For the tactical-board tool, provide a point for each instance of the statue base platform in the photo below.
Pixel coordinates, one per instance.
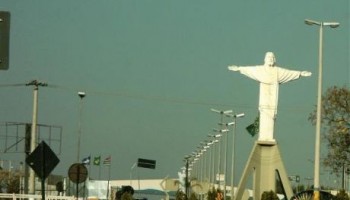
(265, 166)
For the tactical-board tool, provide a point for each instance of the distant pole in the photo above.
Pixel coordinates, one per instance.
(186, 178)
(233, 160)
(81, 95)
(132, 167)
(109, 177)
(225, 163)
(33, 141)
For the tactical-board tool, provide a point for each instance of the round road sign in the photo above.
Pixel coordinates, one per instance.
(77, 173)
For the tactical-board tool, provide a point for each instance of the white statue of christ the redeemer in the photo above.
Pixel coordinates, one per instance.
(269, 76)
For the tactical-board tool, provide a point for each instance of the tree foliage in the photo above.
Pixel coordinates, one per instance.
(215, 194)
(180, 195)
(9, 181)
(335, 117)
(269, 195)
(342, 195)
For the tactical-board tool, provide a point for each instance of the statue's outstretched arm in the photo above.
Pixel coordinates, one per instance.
(305, 73)
(233, 68)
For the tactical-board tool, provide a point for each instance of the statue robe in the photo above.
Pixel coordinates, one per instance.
(269, 77)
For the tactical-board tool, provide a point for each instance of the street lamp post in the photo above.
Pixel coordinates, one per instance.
(225, 158)
(226, 154)
(222, 113)
(210, 160)
(233, 151)
(213, 157)
(319, 102)
(81, 95)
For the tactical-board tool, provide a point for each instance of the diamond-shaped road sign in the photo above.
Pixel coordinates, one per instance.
(42, 160)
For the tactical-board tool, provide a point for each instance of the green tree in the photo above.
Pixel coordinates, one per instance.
(127, 196)
(180, 195)
(335, 117)
(215, 194)
(269, 195)
(298, 188)
(9, 181)
(342, 195)
(193, 196)
(212, 194)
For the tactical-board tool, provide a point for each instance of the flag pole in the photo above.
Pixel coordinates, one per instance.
(109, 177)
(108, 161)
(89, 173)
(99, 171)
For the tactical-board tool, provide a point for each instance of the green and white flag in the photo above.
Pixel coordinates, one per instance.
(253, 129)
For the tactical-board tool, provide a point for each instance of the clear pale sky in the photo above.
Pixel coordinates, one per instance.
(152, 70)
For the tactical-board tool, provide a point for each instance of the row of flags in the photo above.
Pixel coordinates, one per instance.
(252, 129)
(97, 160)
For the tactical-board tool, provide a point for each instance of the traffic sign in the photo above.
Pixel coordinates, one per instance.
(145, 163)
(42, 160)
(77, 173)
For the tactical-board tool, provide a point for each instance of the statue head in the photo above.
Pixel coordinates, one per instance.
(270, 59)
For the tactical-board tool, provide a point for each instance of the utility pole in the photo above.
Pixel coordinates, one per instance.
(33, 142)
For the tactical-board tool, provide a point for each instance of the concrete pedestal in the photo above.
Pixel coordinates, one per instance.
(264, 164)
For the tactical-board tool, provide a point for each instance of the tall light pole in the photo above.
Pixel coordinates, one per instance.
(213, 156)
(210, 161)
(206, 146)
(234, 151)
(226, 154)
(81, 96)
(33, 141)
(225, 158)
(222, 113)
(319, 102)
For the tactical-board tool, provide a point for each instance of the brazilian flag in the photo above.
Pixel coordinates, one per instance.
(97, 160)
(253, 128)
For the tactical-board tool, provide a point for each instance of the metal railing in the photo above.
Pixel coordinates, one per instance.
(34, 196)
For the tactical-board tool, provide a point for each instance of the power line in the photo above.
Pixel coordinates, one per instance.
(159, 98)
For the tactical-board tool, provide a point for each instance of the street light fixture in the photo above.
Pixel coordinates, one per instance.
(222, 112)
(319, 102)
(215, 136)
(240, 115)
(227, 124)
(330, 24)
(221, 130)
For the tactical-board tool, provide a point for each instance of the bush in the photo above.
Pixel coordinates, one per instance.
(271, 195)
(342, 195)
